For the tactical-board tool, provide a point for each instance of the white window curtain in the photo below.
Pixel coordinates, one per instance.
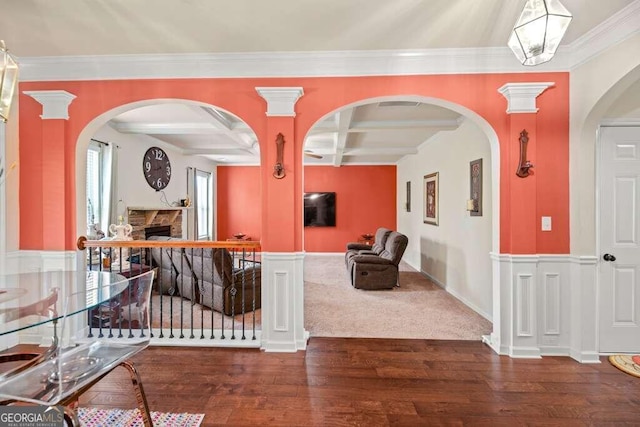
(203, 205)
(102, 185)
(110, 193)
(94, 157)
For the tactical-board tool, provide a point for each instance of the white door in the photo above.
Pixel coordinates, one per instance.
(619, 265)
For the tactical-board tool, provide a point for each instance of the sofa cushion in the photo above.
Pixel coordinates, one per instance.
(395, 247)
(380, 240)
(167, 274)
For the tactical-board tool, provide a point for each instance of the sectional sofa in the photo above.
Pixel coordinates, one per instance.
(209, 277)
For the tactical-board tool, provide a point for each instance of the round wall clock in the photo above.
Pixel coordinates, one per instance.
(156, 168)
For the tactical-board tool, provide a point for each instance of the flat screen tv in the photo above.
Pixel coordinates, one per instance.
(320, 209)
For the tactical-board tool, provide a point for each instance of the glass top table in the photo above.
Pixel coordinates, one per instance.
(32, 299)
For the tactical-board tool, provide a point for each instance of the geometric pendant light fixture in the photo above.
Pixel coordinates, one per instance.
(8, 80)
(539, 30)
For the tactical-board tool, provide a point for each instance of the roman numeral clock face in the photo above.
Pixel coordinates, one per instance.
(156, 168)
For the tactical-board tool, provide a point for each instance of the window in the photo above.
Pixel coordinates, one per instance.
(94, 185)
(204, 205)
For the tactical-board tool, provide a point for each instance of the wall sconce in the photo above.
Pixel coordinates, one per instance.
(278, 169)
(8, 80)
(524, 165)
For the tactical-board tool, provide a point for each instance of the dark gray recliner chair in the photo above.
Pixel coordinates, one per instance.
(370, 271)
(222, 287)
(360, 248)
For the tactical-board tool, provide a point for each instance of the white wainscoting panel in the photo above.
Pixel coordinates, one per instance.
(583, 306)
(545, 305)
(551, 304)
(283, 302)
(526, 305)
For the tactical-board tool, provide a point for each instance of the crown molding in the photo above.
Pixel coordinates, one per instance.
(281, 64)
(615, 29)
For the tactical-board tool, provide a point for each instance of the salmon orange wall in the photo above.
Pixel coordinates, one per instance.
(365, 200)
(45, 226)
(239, 207)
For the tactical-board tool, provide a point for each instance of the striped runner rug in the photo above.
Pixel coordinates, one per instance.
(93, 417)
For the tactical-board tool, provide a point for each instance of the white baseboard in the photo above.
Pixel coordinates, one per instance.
(585, 356)
(555, 351)
(525, 353)
(457, 296)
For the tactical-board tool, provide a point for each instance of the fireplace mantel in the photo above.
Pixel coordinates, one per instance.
(150, 213)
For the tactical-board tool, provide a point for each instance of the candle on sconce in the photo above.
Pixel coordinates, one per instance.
(471, 205)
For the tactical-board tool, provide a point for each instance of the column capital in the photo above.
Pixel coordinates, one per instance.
(55, 103)
(280, 100)
(521, 97)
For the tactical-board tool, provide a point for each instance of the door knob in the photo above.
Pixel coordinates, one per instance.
(609, 257)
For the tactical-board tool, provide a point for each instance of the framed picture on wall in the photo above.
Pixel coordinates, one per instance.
(408, 203)
(475, 185)
(430, 192)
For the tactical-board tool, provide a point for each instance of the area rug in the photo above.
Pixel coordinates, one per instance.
(629, 363)
(93, 417)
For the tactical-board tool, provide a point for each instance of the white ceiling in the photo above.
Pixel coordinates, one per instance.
(368, 134)
(111, 27)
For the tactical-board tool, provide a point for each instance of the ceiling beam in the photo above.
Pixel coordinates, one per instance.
(166, 128)
(381, 151)
(380, 125)
(343, 120)
(374, 125)
(244, 140)
(216, 152)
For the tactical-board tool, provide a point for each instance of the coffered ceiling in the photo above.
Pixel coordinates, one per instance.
(375, 133)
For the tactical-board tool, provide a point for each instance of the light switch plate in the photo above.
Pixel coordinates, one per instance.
(546, 223)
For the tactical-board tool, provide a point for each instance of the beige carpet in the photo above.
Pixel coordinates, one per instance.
(417, 309)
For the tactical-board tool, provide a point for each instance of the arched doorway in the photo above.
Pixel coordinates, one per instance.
(404, 116)
(199, 138)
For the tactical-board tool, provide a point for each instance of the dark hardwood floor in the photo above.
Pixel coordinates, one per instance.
(376, 382)
(373, 382)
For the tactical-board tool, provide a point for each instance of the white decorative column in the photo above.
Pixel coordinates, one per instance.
(282, 256)
(517, 307)
(55, 113)
(283, 302)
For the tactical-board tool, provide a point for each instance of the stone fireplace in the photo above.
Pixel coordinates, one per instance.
(155, 219)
